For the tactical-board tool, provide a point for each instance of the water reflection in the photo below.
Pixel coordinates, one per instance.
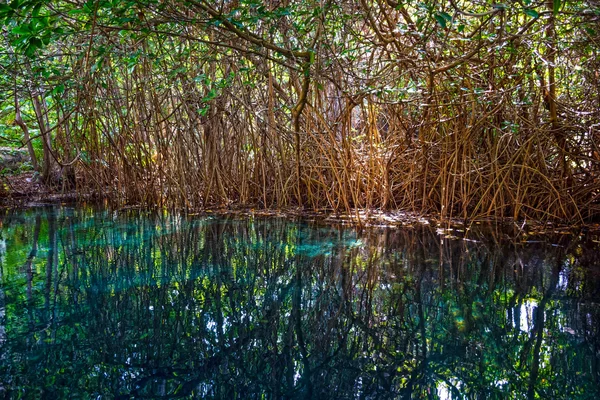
(129, 305)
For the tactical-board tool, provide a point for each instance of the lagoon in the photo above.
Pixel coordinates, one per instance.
(130, 304)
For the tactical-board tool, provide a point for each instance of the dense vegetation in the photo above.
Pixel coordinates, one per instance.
(461, 108)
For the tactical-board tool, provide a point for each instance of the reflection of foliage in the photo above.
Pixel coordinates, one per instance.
(134, 305)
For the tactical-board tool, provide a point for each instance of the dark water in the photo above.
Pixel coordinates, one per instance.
(130, 305)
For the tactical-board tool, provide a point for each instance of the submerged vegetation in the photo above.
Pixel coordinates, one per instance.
(460, 108)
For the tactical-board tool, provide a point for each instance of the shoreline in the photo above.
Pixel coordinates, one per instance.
(359, 219)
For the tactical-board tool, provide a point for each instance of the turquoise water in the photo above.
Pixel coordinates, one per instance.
(99, 304)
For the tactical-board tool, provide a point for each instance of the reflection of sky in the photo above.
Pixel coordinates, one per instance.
(527, 309)
(563, 279)
(444, 391)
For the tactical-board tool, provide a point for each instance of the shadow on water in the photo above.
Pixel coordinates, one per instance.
(131, 305)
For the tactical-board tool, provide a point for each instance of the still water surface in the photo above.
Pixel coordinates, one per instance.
(98, 304)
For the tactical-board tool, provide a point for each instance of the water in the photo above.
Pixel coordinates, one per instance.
(98, 304)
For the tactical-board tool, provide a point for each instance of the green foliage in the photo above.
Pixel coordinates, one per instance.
(443, 18)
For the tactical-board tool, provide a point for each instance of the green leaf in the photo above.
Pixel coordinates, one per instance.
(440, 20)
(36, 42)
(446, 16)
(555, 6)
(531, 13)
(204, 110)
(22, 30)
(59, 89)
(201, 79)
(4, 10)
(283, 11)
(36, 10)
(211, 95)
(30, 50)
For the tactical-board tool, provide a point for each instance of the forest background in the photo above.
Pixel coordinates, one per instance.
(465, 109)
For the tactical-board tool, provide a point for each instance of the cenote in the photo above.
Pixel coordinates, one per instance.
(106, 304)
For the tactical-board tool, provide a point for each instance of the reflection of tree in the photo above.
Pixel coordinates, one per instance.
(139, 306)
